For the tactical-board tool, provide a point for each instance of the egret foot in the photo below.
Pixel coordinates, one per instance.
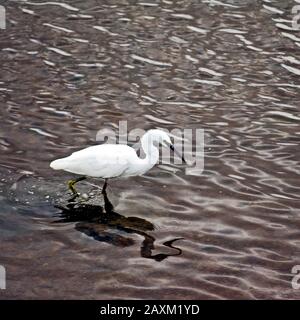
(71, 184)
(79, 198)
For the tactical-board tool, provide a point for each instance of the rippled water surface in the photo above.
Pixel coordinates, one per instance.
(230, 67)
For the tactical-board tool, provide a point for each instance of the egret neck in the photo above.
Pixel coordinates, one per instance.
(151, 151)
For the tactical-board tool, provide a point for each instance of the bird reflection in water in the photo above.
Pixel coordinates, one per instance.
(103, 224)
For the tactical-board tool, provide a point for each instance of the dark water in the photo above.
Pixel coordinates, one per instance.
(232, 68)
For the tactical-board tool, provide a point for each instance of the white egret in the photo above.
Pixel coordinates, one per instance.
(113, 160)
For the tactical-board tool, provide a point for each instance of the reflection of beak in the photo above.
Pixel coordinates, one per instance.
(178, 154)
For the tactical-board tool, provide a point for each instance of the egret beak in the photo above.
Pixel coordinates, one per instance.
(176, 152)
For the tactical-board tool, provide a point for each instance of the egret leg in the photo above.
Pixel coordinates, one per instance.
(107, 204)
(104, 186)
(71, 185)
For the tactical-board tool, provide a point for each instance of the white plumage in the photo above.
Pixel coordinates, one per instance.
(114, 160)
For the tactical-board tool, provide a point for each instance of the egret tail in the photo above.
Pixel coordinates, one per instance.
(59, 164)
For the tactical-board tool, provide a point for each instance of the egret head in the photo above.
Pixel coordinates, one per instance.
(156, 136)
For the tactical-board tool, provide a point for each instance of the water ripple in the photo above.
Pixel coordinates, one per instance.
(228, 67)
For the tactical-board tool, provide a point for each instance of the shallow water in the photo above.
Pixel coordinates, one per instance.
(71, 68)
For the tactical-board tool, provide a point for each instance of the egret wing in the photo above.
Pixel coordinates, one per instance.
(105, 161)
